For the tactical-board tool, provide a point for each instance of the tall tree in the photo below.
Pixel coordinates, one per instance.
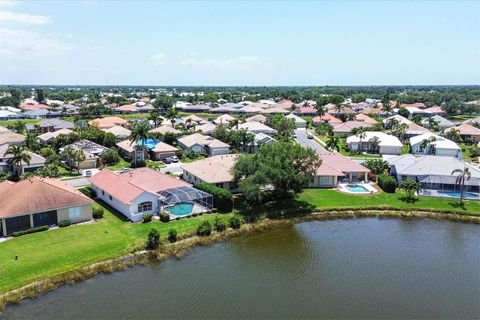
(72, 156)
(156, 117)
(463, 176)
(172, 115)
(333, 143)
(20, 155)
(140, 133)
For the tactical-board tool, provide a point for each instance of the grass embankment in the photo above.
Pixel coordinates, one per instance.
(332, 199)
(52, 252)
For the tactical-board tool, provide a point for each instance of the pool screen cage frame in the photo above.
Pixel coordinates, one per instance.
(448, 183)
(172, 196)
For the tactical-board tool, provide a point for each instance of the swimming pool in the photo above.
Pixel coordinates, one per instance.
(356, 188)
(149, 143)
(455, 194)
(180, 209)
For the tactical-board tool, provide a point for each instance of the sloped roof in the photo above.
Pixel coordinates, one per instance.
(9, 137)
(224, 118)
(128, 185)
(466, 129)
(257, 118)
(214, 169)
(350, 125)
(440, 143)
(365, 118)
(107, 122)
(340, 163)
(422, 165)
(326, 118)
(200, 139)
(52, 135)
(165, 129)
(38, 194)
(295, 118)
(164, 147)
(118, 131)
(385, 140)
(255, 126)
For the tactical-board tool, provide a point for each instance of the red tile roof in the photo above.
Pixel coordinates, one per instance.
(340, 163)
(326, 118)
(36, 195)
(129, 185)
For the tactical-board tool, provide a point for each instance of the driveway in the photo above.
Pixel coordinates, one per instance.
(172, 168)
(308, 143)
(78, 182)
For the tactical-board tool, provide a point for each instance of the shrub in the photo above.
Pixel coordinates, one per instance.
(222, 199)
(204, 229)
(147, 217)
(164, 217)
(235, 222)
(172, 235)
(153, 239)
(220, 225)
(98, 213)
(387, 183)
(64, 223)
(32, 230)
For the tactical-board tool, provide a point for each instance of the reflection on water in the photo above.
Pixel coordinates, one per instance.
(368, 268)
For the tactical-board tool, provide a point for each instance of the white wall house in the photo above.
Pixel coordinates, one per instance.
(432, 144)
(386, 144)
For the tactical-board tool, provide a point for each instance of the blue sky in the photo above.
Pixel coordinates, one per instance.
(239, 43)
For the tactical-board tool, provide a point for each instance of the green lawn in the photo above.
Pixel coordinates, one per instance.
(120, 165)
(329, 198)
(56, 251)
(188, 160)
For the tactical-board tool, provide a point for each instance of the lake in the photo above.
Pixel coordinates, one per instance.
(362, 268)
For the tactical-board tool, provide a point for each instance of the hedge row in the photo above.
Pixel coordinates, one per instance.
(222, 199)
(387, 183)
(28, 231)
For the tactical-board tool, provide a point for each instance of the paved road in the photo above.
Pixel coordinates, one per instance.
(308, 143)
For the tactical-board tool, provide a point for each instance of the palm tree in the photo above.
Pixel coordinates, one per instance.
(454, 134)
(374, 141)
(361, 135)
(463, 176)
(333, 143)
(320, 111)
(423, 145)
(156, 117)
(431, 146)
(172, 114)
(392, 123)
(20, 155)
(140, 133)
(234, 123)
(401, 130)
(72, 156)
(19, 127)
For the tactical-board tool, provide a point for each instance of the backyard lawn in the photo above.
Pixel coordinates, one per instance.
(328, 198)
(56, 251)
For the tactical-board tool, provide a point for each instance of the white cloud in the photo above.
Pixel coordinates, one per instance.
(7, 3)
(158, 58)
(22, 43)
(239, 61)
(9, 17)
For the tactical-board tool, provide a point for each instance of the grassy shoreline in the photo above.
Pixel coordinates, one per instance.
(123, 262)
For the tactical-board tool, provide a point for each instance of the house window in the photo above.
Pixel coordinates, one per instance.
(74, 212)
(103, 193)
(110, 197)
(324, 181)
(145, 206)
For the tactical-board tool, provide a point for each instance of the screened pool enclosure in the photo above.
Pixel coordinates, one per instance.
(184, 201)
(447, 187)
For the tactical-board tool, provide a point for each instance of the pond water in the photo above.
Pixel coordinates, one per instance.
(365, 268)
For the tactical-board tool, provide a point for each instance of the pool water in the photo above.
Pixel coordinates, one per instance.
(180, 209)
(149, 143)
(454, 194)
(356, 188)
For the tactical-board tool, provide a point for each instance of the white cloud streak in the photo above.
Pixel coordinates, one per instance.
(25, 43)
(158, 59)
(9, 17)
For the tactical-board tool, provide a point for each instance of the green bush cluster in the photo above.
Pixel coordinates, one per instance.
(204, 229)
(32, 230)
(235, 222)
(153, 239)
(222, 199)
(172, 235)
(147, 217)
(64, 223)
(164, 217)
(387, 183)
(219, 224)
(98, 212)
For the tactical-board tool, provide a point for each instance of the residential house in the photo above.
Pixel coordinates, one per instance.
(328, 118)
(48, 137)
(127, 108)
(467, 132)
(412, 129)
(108, 122)
(207, 128)
(118, 131)
(375, 142)
(275, 110)
(36, 162)
(261, 139)
(346, 128)
(215, 170)
(365, 118)
(434, 173)
(472, 121)
(10, 137)
(440, 121)
(199, 143)
(257, 118)
(194, 118)
(336, 168)
(256, 127)
(91, 150)
(39, 202)
(51, 125)
(435, 110)
(143, 190)
(224, 119)
(163, 129)
(430, 143)
(299, 122)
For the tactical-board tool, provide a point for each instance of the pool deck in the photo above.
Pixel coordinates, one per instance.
(370, 189)
(438, 194)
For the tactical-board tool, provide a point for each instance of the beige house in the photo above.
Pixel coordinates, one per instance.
(40, 202)
(48, 137)
(165, 129)
(199, 143)
(467, 132)
(336, 168)
(214, 170)
(118, 131)
(108, 122)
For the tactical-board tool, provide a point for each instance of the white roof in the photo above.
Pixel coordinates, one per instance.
(255, 126)
(386, 140)
(440, 143)
(296, 118)
(422, 165)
